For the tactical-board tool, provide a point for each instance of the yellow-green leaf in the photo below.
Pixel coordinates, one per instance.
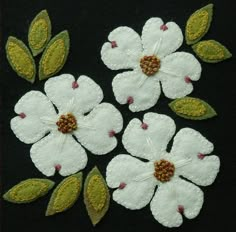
(192, 108)
(39, 32)
(20, 59)
(96, 196)
(65, 194)
(54, 56)
(28, 190)
(198, 24)
(211, 51)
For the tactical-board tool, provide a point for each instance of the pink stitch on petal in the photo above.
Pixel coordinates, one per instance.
(187, 79)
(58, 167)
(113, 44)
(180, 209)
(75, 85)
(122, 185)
(22, 115)
(112, 133)
(144, 126)
(130, 100)
(201, 156)
(164, 27)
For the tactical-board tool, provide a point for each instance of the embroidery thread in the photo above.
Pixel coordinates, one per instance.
(59, 151)
(153, 59)
(39, 32)
(54, 56)
(135, 181)
(81, 115)
(20, 59)
(192, 108)
(28, 190)
(96, 196)
(65, 195)
(198, 24)
(211, 51)
(39, 35)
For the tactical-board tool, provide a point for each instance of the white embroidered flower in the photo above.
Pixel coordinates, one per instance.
(153, 59)
(59, 150)
(136, 181)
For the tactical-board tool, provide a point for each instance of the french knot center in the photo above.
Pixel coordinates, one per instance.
(150, 65)
(164, 170)
(67, 123)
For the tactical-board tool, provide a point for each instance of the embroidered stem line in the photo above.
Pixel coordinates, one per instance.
(157, 46)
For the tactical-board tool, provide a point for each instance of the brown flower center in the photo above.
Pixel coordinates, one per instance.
(164, 170)
(67, 123)
(150, 65)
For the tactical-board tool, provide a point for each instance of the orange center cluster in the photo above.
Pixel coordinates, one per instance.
(164, 170)
(67, 123)
(150, 65)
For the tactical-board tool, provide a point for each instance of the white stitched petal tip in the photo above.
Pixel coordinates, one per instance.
(81, 121)
(135, 181)
(152, 59)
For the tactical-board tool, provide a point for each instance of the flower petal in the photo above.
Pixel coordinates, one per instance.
(28, 126)
(161, 39)
(172, 195)
(124, 50)
(144, 91)
(96, 131)
(177, 71)
(125, 169)
(58, 151)
(190, 144)
(202, 172)
(68, 95)
(149, 139)
(137, 192)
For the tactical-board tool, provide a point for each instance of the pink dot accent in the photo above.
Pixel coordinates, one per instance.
(163, 27)
(144, 126)
(58, 167)
(122, 185)
(201, 156)
(75, 85)
(22, 115)
(130, 100)
(187, 79)
(113, 44)
(180, 209)
(112, 133)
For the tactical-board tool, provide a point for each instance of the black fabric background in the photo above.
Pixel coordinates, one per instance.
(89, 23)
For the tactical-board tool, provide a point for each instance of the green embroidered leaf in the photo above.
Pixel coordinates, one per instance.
(65, 194)
(96, 196)
(54, 56)
(39, 32)
(20, 59)
(192, 108)
(28, 190)
(211, 51)
(198, 24)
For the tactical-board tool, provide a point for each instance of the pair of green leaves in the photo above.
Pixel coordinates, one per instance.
(197, 26)
(96, 194)
(55, 50)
